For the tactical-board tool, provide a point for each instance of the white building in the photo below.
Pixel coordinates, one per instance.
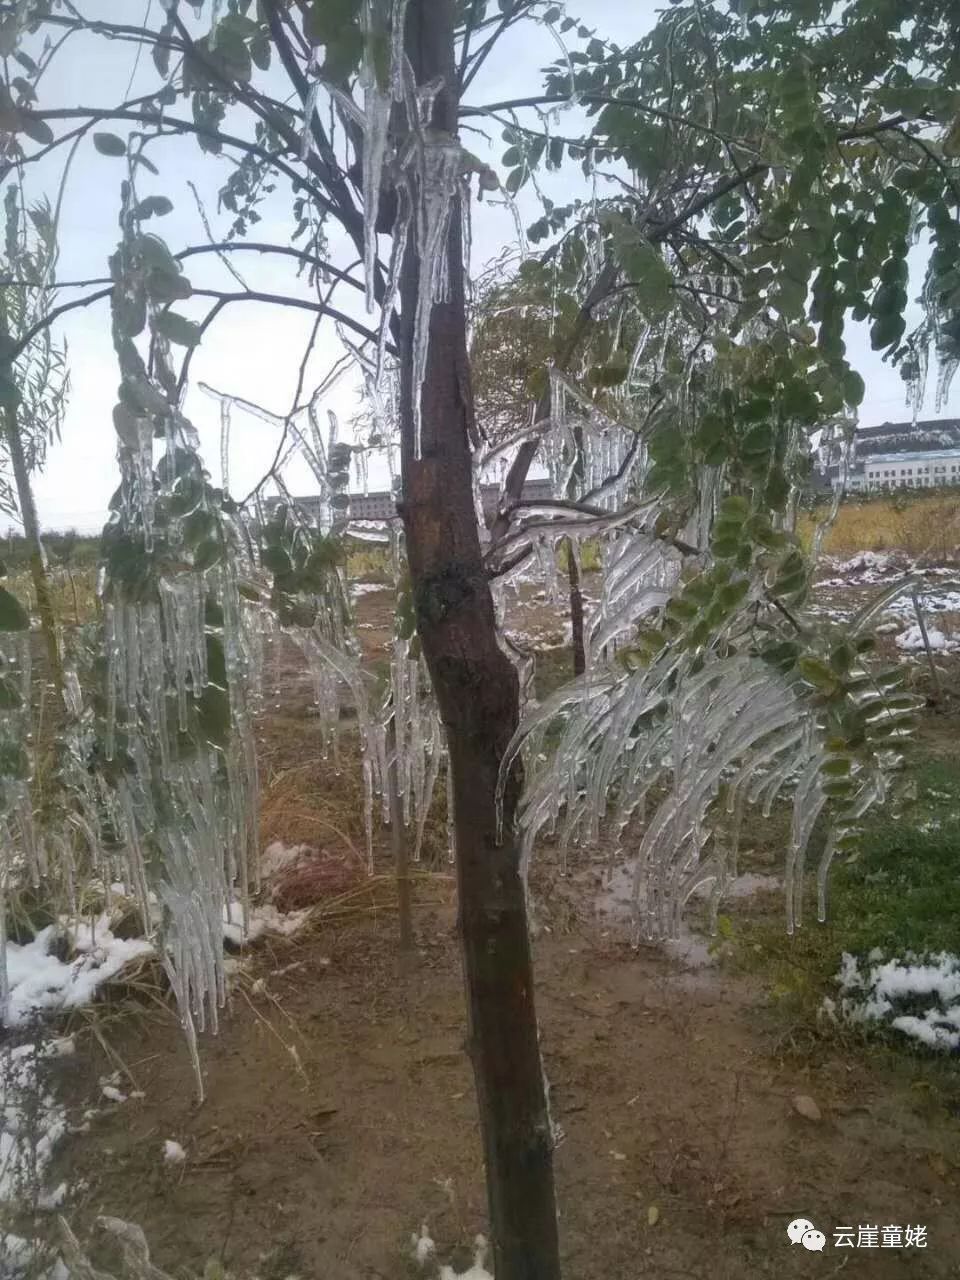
(910, 470)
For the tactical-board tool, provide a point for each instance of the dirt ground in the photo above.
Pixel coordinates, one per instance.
(340, 1115)
(340, 1112)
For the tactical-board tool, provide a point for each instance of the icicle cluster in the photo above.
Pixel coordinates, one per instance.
(685, 714)
(173, 797)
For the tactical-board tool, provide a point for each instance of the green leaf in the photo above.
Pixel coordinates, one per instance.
(207, 554)
(213, 715)
(198, 526)
(276, 560)
(854, 388)
(216, 662)
(35, 128)
(158, 206)
(177, 328)
(817, 673)
(108, 144)
(13, 616)
(260, 51)
(887, 330)
(515, 180)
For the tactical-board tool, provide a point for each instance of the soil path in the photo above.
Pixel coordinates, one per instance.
(340, 1115)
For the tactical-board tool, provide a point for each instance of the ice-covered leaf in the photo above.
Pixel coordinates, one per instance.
(177, 328)
(108, 144)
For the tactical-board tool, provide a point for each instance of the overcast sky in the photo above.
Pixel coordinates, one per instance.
(251, 350)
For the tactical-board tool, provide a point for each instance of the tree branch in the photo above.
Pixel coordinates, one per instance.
(54, 315)
(329, 173)
(287, 251)
(305, 304)
(162, 120)
(603, 100)
(508, 19)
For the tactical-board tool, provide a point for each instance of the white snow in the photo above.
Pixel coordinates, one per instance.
(873, 994)
(367, 588)
(40, 981)
(173, 1153)
(911, 641)
(865, 567)
(479, 1269)
(278, 857)
(31, 1124)
(260, 920)
(423, 1246)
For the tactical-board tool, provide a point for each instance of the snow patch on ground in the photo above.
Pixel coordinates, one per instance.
(918, 996)
(911, 641)
(479, 1269)
(173, 1153)
(863, 568)
(31, 1123)
(260, 920)
(41, 982)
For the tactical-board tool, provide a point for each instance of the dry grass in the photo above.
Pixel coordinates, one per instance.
(919, 524)
(73, 591)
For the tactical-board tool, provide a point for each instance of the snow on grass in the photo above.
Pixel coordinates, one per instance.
(41, 982)
(31, 1123)
(479, 1269)
(911, 641)
(863, 568)
(918, 996)
(424, 1252)
(62, 968)
(260, 920)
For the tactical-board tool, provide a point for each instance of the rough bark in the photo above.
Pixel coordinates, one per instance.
(477, 691)
(38, 561)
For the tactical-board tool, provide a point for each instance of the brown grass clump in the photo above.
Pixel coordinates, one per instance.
(317, 876)
(306, 798)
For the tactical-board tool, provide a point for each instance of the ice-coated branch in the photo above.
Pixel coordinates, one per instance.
(602, 100)
(509, 16)
(287, 300)
(282, 250)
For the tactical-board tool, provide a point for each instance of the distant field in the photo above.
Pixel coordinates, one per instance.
(920, 524)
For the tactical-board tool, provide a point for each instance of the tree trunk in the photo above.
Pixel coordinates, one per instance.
(576, 612)
(477, 690)
(38, 562)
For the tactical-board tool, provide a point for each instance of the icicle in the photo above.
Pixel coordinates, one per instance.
(437, 174)
(309, 108)
(377, 107)
(225, 444)
(451, 820)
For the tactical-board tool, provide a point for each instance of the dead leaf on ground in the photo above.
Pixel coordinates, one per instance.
(805, 1106)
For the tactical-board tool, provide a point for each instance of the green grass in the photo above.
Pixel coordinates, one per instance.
(903, 892)
(900, 893)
